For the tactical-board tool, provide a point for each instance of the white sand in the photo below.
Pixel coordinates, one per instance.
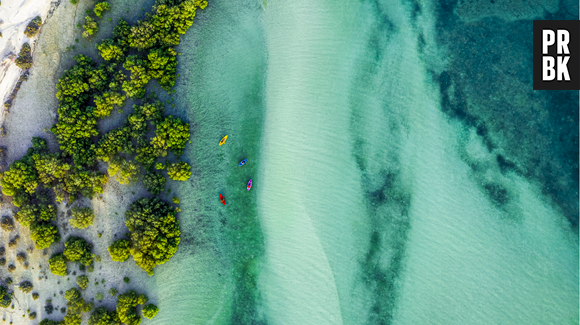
(14, 17)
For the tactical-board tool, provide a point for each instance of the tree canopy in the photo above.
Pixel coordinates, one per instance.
(120, 250)
(81, 217)
(154, 231)
(179, 171)
(76, 249)
(57, 264)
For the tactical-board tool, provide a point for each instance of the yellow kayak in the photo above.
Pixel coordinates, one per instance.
(223, 140)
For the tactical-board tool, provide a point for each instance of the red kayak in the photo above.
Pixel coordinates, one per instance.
(249, 185)
(222, 200)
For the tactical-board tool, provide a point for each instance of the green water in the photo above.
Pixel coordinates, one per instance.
(379, 196)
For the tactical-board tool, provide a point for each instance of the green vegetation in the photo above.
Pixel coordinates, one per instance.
(7, 224)
(76, 249)
(2, 261)
(32, 315)
(11, 268)
(5, 297)
(101, 316)
(35, 296)
(83, 281)
(57, 264)
(150, 311)
(172, 134)
(81, 217)
(47, 321)
(38, 219)
(26, 286)
(125, 172)
(75, 306)
(91, 27)
(33, 27)
(101, 7)
(179, 171)
(154, 232)
(126, 279)
(175, 200)
(99, 296)
(24, 59)
(14, 241)
(87, 92)
(120, 250)
(21, 257)
(154, 183)
(113, 292)
(126, 307)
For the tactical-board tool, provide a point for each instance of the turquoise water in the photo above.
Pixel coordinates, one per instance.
(389, 188)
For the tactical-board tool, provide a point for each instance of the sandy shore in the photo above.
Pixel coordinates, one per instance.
(14, 17)
(33, 114)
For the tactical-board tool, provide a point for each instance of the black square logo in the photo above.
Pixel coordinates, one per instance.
(556, 54)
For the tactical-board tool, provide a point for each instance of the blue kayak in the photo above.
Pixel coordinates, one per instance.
(243, 162)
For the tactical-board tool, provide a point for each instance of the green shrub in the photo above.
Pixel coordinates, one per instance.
(101, 316)
(163, 67)
(163, 27)
(14, 241)
(171, 134)
(120, 250)
(11, 268)
(83, 281)
(91, 27)
(154, 232)
(19, 177)
(35, 296)
(175, 200)
(81, 218)
(5, 297)
(154, 183)
(31, 215)
(26, 286)
(150, 311)
(113, 292)
(101, 7)
(2, 261)
(146, 154)
(139, 76)
(99, 296)
(44, 235)
(7, 223)
(85, 182)
(125, 172)
(126, 307)
(77, 249)
(50, 168)
(179, 171)
(33, 27)
(106, 102)
(24, 59)
(21, 257)
(126, 279)
(32, 315)
(114, 142)
(75, 306)
(57, 264)
(109, 49)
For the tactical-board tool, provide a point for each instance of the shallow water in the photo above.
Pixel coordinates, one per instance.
(384, 190)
